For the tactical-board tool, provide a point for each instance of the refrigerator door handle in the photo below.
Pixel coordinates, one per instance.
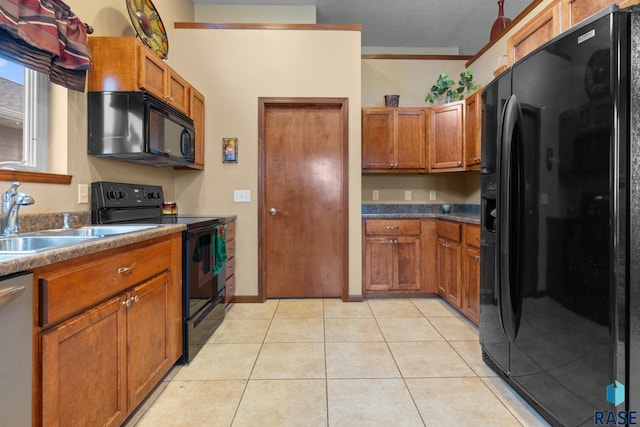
(509, 214)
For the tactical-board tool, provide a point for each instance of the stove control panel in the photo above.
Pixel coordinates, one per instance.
(107, 195)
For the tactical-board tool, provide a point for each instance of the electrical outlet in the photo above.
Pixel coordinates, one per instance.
(83, 193)
(242, 196)
(432, 195)
(376, 194)
(407, 195)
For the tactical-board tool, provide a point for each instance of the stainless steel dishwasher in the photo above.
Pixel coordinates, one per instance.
(15, 349)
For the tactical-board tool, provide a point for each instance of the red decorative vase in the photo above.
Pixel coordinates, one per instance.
(500, 23)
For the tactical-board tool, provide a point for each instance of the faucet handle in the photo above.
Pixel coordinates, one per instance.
(12, 191)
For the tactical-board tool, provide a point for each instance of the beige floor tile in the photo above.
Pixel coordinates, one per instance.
(514, 403)
(241, 331)
(337, 309)
(471, 352)
(290, 360)
(190, 404)
(429, 359)
(283, 403)
(238, 362)
(408, 329)
(263, 310)
(393, 308)
(371, 402)
(296, 330)
(360, 360)
(352, 330)
(455, 329)
(459, 402)
(435, 307)
(299, 309)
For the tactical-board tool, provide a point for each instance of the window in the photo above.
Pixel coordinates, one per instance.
(24, 117)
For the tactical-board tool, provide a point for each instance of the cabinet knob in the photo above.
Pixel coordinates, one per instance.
(459, 163)
(477, 257)
(127, 303)
(136, 298)
(391, 227)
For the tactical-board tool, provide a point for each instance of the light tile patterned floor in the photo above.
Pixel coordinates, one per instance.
(402, 362)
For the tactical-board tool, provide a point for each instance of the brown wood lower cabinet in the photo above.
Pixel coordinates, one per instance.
(392, 255)
(396, 254)
(458, 255)
(109, 325)
(448, 259)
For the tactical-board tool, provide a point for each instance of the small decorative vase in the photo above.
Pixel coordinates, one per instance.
(500, 23)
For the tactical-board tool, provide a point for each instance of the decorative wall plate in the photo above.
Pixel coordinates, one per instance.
(149, 26)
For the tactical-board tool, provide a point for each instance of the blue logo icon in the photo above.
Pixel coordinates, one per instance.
(615, 393)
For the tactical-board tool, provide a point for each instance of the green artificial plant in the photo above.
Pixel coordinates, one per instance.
(445, 86)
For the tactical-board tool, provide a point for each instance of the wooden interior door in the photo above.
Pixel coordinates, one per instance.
(302, 215)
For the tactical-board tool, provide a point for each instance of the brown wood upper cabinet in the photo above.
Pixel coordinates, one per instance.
(394, 140)
(446, 137)
(126, 64)
(542, 28)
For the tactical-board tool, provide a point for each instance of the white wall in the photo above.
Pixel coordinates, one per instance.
(233, 68)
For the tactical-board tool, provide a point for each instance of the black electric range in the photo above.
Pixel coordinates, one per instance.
(203, 278)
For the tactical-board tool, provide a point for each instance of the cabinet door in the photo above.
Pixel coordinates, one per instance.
(377, 138)
(152, 72)
(406, 253)
(378, 264)
(471, 284)
(83, 368)
(148, 337)
(472, 137)
(410, 139)
(442, 273)
(453, 285)
(448, 254)
(177, 94)
(196, 112)
(446, 137)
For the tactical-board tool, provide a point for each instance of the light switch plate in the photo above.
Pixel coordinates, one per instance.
(376, 195)
(83, 193)
(432, 195)
(242, 196)
(407, 195)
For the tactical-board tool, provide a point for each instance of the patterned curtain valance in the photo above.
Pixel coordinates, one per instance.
(47, 36)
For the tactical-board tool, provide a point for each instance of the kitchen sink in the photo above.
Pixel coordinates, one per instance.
(31, 244)
(97, 230)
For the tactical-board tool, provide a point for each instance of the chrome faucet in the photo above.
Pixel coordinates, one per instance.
(11, 202)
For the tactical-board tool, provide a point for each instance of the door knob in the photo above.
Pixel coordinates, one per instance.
(273, 211)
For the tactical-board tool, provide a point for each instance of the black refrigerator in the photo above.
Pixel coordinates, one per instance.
(560, 222)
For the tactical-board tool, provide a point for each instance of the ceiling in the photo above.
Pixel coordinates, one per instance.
(461, 24)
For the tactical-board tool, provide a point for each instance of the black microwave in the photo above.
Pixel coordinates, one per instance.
(136, 127)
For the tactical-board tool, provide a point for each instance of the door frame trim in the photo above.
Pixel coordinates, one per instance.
(339, 103)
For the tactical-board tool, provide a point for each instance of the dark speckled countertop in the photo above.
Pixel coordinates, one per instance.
(462, 213)
(17, 263)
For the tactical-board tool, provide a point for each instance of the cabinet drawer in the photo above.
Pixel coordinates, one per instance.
(79, 286)
(230, 233)
(449, 230)
(472, 235)
(392, 227)
(230, 267)
(231, 248)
